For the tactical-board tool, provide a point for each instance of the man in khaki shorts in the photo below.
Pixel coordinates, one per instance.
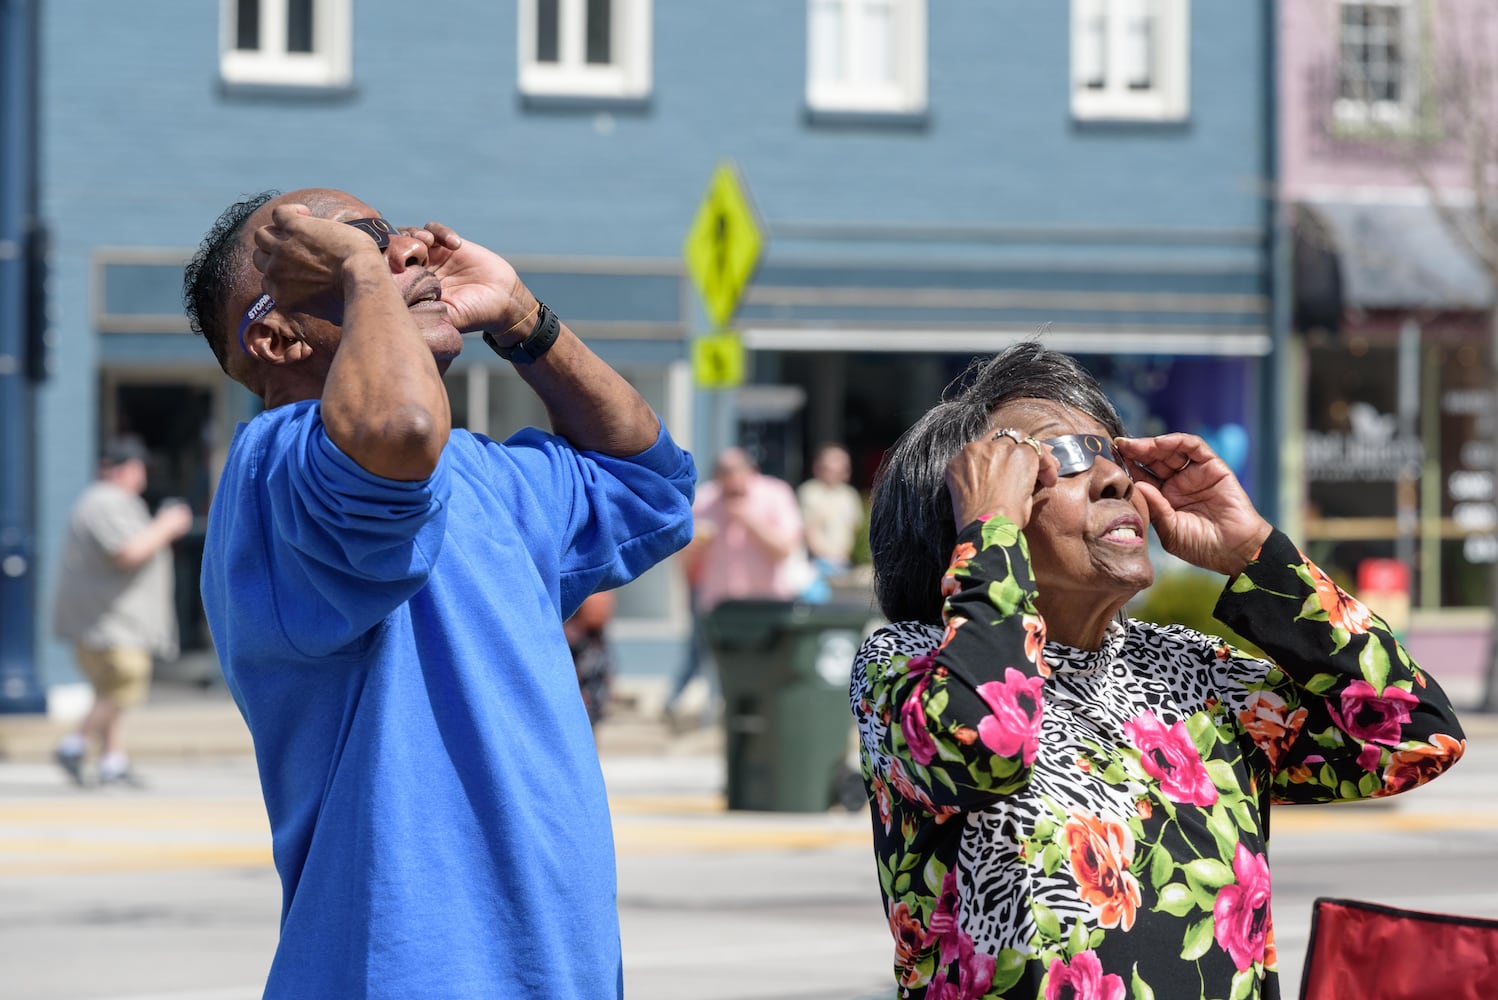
(114, 603)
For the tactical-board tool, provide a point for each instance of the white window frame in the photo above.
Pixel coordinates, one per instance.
(1168, 99)
(330, 64)
(1397, 114)
(628, 76)
(906, 94)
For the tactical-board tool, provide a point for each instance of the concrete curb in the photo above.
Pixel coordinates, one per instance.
(182, 724)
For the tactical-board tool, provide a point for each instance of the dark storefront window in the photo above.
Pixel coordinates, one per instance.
(1364, 465)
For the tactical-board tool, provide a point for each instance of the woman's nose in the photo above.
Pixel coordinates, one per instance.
(1109, 481)
(405, 252)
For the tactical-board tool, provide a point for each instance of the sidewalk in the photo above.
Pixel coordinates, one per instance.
(185, 721)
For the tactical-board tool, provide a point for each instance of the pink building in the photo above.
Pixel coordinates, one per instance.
(1378, 103)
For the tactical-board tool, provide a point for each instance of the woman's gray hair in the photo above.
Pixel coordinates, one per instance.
(911, 534)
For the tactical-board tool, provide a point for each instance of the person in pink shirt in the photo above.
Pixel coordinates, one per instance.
(748, 542)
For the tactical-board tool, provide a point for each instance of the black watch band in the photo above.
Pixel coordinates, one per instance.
(538, 343)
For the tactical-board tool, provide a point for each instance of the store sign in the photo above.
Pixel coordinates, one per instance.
(1369, 451)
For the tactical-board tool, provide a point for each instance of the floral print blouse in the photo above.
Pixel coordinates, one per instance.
(1052, 822)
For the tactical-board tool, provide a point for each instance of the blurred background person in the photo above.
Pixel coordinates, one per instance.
(115, 603)
(747, 543)
(832, 511)
(587, 638)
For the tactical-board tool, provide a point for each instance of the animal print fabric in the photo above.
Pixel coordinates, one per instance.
(1056, 822)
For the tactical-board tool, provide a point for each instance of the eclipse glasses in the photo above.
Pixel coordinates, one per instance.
(1077, 452)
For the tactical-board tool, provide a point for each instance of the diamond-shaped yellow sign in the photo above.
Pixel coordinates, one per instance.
(718, 360)
(722, 248)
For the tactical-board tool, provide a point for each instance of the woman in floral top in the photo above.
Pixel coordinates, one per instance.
(1068, 803)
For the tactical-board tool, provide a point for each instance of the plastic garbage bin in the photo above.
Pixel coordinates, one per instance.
(784, 668)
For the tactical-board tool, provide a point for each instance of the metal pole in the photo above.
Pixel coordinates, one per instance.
(19, 39)
(1274, 387)
(1407, 503)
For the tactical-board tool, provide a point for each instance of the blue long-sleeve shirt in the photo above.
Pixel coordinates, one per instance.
(438, 814)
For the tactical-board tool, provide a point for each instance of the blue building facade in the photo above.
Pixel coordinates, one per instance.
(934, 180)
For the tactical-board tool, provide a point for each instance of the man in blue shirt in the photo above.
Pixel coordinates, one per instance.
(386, 594)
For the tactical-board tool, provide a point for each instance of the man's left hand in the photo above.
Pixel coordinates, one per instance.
(479, 287)
(1197, 506)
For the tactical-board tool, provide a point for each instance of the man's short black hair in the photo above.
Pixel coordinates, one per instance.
(209, 277)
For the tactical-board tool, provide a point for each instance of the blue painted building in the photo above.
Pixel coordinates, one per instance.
(934, 180)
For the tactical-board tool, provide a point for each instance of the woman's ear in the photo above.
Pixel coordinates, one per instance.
(275, 339)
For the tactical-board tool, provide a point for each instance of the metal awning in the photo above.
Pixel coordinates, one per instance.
(1398, 256)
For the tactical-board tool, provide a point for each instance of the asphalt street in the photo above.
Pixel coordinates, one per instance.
(167, 893)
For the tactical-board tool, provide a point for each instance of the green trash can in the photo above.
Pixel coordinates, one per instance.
(784, 668)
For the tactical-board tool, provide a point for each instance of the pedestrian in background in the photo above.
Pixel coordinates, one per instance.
(115, 603)
(747, 542)
(592, 656)
(832, 510)
(386, 593)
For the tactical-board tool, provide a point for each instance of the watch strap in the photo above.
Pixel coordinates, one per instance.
(526, 351)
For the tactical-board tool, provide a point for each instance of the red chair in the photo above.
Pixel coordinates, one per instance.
(1364, 951)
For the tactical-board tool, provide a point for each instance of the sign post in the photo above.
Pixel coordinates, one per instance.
(20, 364)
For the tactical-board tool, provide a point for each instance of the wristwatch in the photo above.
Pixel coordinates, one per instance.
(532, 347)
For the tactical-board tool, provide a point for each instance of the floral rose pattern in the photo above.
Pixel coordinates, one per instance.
(1100, 852)
(1014, 726)
(1270, 723)
(1062, 824)
(1169, 756)
(1417, 765)
(1363, 713)
(1241, 912)
(1082, 979)
(1342, 610)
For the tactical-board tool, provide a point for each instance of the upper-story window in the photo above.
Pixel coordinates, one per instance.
(866, 55)
(585, 48)
(1377, 66)
(1130, 59)
(305, 43)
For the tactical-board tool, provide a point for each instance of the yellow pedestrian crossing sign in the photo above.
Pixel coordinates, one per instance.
(723, 246)
(718, 360)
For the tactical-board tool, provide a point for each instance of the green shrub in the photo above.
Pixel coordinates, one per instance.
(1187, 597)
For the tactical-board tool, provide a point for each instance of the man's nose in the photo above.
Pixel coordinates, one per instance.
(405, 252)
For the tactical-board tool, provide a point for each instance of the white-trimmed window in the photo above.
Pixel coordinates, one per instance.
(866, 55)
(1377, 65)
(1130, 59)
(585, 48)
(301, 43)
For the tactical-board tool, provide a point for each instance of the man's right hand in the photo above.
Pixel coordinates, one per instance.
(303, 259)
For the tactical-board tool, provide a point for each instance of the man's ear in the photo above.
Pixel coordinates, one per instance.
(276, 339)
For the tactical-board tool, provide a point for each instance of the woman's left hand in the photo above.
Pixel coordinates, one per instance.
(1196, 504)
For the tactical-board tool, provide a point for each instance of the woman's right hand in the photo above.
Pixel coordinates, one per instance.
(999, 475)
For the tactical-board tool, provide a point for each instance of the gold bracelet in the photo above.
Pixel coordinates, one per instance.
(522, 319)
